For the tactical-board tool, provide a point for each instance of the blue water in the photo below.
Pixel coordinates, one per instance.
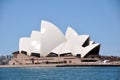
(61, 73)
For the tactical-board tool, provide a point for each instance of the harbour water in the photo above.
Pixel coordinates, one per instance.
(61, 73)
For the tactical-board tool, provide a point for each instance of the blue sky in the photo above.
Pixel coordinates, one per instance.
(98, 18)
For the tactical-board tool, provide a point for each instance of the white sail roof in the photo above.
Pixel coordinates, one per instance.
(62, 48)
(87, 49)
(83, 38)
(35, 45)
(51, 37)
(70, 33)
(92, 42)
(24, 45)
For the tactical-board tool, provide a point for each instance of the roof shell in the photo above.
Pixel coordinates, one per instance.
(51, 37)
(35, 44)
(24, 45)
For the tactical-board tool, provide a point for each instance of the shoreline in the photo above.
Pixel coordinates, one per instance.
(27, 66)
(59, 65)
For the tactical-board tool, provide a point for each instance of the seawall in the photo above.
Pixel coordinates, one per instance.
(60, 65)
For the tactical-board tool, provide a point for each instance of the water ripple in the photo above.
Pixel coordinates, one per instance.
(61, 73)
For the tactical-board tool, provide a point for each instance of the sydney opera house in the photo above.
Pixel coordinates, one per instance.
(50, 45)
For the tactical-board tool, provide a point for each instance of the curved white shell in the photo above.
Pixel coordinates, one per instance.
(51, 37)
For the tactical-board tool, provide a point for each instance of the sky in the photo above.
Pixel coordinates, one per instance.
(98, 18)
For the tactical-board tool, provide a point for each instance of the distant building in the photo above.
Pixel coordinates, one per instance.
(4, 59)
(51, 42)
